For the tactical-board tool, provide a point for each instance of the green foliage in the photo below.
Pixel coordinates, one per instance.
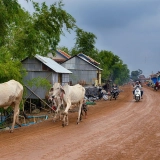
(8, 13)
(10, 69)
(39, 82)
(113, 67)
(9, 109)
(85, 43)
(49, 22)
(136, 74)
(74, 51)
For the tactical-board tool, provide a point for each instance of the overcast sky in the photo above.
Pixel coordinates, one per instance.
(128, 28)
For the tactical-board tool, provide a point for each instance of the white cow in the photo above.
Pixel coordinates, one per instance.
(70, 95)
(60, 106)
(11, 95)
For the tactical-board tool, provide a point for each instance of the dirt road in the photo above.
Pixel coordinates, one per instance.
(114, 130)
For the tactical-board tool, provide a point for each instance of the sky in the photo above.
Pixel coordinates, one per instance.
(129, 29)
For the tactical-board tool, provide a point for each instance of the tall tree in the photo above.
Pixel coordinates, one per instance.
(113, 67)
(50, 22)
(85, 43)
(106, 61)
(136, 74)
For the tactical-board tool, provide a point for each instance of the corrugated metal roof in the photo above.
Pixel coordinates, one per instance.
(89, 62)
(64, 54)
(52, 64)
(89, 58)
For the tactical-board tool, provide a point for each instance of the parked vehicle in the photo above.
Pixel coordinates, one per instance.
(94, 94)
(91, 98)
(156, 86)
(102, 94)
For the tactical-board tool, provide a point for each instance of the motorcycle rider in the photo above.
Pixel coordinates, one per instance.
(140, 87)
(115, 88)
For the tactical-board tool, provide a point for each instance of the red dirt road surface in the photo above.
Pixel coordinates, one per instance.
(120, 129)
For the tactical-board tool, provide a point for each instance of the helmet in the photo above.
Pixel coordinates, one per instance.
(137, 82)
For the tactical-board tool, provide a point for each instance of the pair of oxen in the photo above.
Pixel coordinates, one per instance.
(11, 93)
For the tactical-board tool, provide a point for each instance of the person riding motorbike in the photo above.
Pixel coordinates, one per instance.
(140, 87)
(115, 89)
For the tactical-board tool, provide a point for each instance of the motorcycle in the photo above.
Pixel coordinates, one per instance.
(137, 94)
(156, 88)
(103, 94)
(91, 98)
(114, 93)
